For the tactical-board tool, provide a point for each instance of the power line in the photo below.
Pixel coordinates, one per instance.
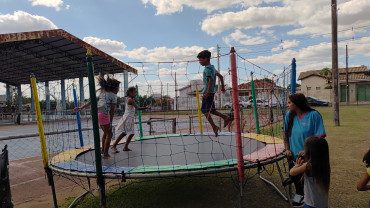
(308, 37)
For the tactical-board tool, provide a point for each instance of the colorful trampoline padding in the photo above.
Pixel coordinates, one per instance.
(194, 166)
(67, 160)
(263, 138)
(268, 152)
(158, 136)
(69, 155)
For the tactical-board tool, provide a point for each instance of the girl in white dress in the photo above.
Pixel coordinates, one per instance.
(127, 122)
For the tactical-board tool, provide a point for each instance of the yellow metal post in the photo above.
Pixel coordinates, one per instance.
(198, 104)
(39, 121)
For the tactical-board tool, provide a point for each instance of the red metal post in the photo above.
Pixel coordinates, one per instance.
(238, 136)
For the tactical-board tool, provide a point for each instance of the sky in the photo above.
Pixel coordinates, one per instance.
(268, 33)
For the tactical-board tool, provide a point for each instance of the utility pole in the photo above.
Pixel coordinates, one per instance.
(334, 42)
(347, 84)
(176, 92)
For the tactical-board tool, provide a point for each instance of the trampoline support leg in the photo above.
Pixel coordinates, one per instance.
(49, 174)
(288, 193)
(240, 194)
(82, 195)
(273, 185)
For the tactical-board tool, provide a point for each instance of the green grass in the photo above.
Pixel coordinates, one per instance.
(347, 144)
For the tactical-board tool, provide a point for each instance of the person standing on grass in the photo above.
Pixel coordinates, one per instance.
(363, 184)
(316, 170)
(127, 121)
(107, 100)
(300, 122)
(209, 80)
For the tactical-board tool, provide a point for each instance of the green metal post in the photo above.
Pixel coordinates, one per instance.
(255, 106)
(139, 113)
(94, 115)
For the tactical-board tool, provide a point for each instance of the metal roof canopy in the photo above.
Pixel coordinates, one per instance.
(50, 55)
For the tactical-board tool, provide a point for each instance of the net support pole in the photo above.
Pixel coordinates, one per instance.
(42, 139)
(238, 136)
(293, 81)
(94, 115)
(198, 107)
(255, 105)
(78, 116)
(139, 113)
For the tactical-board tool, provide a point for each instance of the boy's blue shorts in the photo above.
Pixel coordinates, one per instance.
(208, 105)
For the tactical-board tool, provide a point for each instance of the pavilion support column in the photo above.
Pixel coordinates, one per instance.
(63, 94)
(32, 102)
(82, 93)
(47, 97)
(20, 107)
(8, 97)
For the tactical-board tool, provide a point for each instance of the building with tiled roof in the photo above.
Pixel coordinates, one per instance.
(316, 84)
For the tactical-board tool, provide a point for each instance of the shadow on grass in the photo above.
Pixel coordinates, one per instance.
(190, 192)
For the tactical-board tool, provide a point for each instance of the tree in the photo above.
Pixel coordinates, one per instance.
(326, 72)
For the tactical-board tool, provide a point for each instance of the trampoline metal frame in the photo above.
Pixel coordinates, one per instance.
(166, 173)
(173, 174)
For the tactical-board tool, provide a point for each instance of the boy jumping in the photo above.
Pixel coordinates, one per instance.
(209, 80)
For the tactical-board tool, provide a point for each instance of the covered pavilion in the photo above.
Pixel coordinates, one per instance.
(51, 55)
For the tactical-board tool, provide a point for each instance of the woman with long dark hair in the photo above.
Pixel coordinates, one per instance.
(300, 122)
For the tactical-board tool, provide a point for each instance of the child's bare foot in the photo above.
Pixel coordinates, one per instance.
(227, 121)
(114, 148)
(126, 149)
(215, 130)
(107, 156)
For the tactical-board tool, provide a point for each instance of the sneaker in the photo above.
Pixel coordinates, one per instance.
(298, 201)
(298, 204)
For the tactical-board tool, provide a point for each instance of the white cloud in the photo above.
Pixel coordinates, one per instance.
(21, 21)
(68, 6)
(316, 56)
(57, 4)
(285, 45)
(166, 72)
(106, 45)
(239, 37)
(173, 6)
(251, 17)
(312, 18)
(163, 53)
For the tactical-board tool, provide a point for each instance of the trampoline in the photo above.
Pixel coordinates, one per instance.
(171, 155)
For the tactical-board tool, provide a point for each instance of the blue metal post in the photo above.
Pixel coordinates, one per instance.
(47, 96)
(294, 78)
(8, 98)
(78, 116)
(20, 98)
(32, 102)
(63, 94)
